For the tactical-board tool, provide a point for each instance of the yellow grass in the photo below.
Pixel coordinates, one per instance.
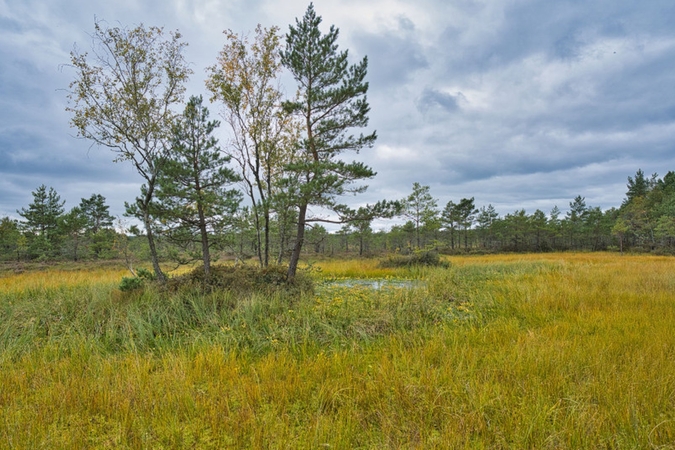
(54, 278)
(564, 351)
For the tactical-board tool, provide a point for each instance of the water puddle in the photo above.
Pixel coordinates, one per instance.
(373, 283)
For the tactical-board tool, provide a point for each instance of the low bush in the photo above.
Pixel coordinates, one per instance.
(129, 284)
(420, 258)
(244, 280)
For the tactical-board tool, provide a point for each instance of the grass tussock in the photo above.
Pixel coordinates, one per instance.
(560, 351)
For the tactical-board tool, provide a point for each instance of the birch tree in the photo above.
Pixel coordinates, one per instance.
(122, 98)
(245, 80)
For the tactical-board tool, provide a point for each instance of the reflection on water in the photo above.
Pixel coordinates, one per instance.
(373, 283)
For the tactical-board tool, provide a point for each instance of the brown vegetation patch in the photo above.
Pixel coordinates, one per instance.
(244, 280)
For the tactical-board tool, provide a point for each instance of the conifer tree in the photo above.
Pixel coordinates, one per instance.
(73, 225)
(331, 100)
(192, 197)
(96, 212)
(9, 238)
(421, 208)
(42, 219)
(637, 187)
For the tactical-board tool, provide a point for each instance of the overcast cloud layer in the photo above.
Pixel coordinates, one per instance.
(518, 103)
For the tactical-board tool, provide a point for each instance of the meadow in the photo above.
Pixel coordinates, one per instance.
(559, 351)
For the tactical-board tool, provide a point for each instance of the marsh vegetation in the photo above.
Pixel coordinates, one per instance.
(511, 351)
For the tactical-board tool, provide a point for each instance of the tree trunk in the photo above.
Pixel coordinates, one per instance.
(147, 222)
(258, 237)
(206, 256)
(417, 233)
(282, 246)
(153, 250)
(299, 240)
(266, 260)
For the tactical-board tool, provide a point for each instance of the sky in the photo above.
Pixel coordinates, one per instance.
(517, 103)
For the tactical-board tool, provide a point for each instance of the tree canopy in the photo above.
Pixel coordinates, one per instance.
(122, 98)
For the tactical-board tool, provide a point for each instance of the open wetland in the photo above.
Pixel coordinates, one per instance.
(560, 351)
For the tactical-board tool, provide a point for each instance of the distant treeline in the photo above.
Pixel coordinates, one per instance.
(645, 222)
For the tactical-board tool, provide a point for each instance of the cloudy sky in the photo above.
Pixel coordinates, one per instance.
(518, 103)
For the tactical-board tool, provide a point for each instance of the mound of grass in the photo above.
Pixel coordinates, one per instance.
(244, 280)
(138, 282)
(428, 258)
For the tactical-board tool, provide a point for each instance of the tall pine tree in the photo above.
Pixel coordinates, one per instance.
(331, 100)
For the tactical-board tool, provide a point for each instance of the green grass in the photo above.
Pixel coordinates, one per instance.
(518, 351)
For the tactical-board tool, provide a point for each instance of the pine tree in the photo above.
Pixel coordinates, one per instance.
(331, 100)
(73, 226)
(97, 213)
(9, 238)
(42, 219)
(575, 218)
(637, 187)
(450, 219)
(192, 197)
(421, 208)
(467, 212)
(485, 219)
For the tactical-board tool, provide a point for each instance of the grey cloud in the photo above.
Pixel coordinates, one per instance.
(458, 92)
(393, 56)
(559, 29)
(432, 98)
(10, 26)
(568, 46)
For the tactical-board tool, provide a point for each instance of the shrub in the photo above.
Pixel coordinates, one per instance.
(129, 284)
(419, 258)
(145, 274)
(244, 280)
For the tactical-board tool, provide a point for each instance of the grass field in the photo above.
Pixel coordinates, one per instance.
(512, 351)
